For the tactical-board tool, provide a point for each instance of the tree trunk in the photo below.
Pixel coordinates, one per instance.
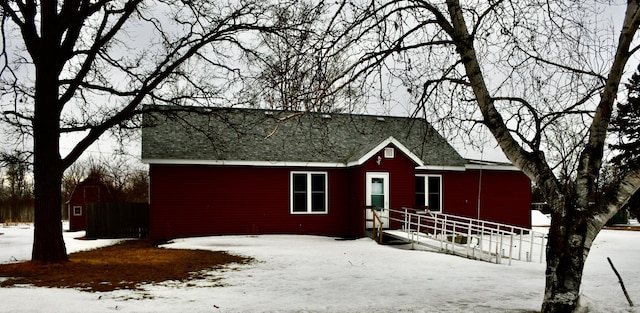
(567, 250)
(48, 244)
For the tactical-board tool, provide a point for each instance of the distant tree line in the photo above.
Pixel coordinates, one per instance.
(16, 188)
(126, 183)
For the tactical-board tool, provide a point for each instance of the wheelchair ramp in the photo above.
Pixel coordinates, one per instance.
(467, 237)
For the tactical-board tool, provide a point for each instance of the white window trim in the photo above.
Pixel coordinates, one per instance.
(74, 210)
(426, 190)
(389, 153)
(326, 192)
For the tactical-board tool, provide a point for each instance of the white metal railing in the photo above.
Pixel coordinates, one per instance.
(471, 237)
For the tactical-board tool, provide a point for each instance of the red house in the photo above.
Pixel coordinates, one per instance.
(90, 190)
(251, 171)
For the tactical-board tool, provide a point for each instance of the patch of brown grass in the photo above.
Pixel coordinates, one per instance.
(123, 266)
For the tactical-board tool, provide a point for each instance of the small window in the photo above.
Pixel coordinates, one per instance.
(429, 192)
(389, 153)
(308, 192)
(77, 210)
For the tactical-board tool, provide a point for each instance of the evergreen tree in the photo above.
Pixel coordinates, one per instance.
(626, 124)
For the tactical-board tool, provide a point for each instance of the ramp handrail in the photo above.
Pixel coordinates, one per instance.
(376, 233)
(473, 237)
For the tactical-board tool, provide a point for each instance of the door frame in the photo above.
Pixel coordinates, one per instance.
(384, 213)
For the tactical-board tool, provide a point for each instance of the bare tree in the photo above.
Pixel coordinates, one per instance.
(137, 187)
(125, 181)
(297, 71)
(541, 76)
(89, 66)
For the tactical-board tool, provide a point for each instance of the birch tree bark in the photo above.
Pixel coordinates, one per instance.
(575, 222)
(522, 68)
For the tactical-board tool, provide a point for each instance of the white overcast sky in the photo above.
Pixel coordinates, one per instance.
(106, 146)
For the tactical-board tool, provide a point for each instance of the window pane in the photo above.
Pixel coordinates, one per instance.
(377, 201)
(420, 191)
(317, 182)
(300, 202)
(434, 202)
(434, 193)
(377, 186)
(300, 182)
(420, 184)
(318, 202)
(434, 184)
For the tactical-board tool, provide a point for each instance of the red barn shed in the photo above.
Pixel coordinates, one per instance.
(250, 171)
(90, 190)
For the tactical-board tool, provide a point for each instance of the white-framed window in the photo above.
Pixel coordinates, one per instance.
(429, 192)
(309, 193)
(389, 153)
(77, 210)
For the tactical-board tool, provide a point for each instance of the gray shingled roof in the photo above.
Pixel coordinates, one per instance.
(243, 135)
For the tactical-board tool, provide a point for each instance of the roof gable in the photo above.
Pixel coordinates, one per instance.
(255, 136)
(381, 146)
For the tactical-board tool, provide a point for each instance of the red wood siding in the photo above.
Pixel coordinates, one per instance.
(212, 200)
(505, 196)
(189, 200)
(402, 187)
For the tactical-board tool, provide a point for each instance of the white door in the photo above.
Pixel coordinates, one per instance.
(377, 194)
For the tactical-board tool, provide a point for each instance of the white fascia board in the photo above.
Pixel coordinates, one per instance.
(484, 167)
(489, 167)
(381, 146)
(442, 168)
(242, 163)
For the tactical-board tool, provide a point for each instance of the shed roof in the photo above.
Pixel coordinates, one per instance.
(256, 135)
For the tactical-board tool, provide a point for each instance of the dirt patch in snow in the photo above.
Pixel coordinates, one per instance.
(126, 265)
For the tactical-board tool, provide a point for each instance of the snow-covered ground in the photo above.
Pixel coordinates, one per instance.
(319, 274)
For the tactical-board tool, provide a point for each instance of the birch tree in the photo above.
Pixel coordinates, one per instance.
(541, 76)
(91, 66)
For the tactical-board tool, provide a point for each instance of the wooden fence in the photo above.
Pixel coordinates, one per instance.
(117, 220)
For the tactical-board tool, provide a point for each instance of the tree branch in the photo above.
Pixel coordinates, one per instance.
(591, 157)
(165, 68)
(99, 42)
